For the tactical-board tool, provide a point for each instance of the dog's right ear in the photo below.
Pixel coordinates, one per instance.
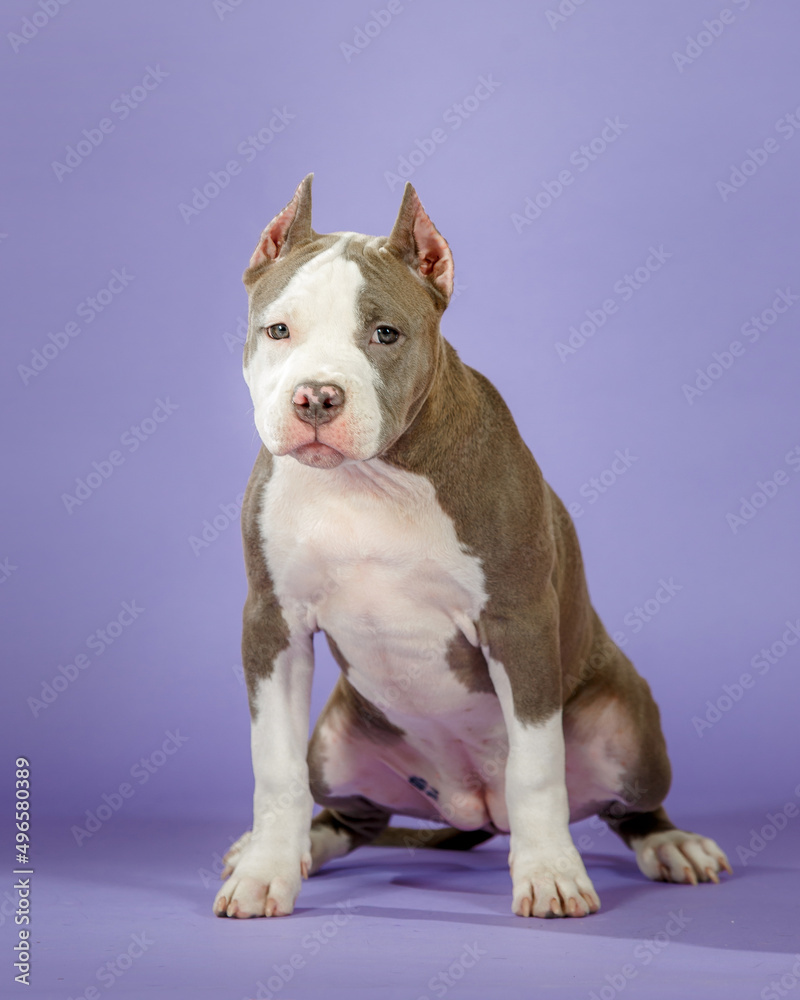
(288, 229)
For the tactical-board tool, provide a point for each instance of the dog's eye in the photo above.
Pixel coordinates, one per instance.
(278, 331)
(385, 335)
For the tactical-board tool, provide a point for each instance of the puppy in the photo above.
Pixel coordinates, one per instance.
(395, 507)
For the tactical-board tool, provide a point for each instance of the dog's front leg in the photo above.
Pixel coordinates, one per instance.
(267, 876)
(548, 875)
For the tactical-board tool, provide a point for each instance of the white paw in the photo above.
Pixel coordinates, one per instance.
(556, 886)
(261, 884)
(678, 856)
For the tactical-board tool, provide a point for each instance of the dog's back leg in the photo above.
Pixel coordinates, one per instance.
(443, 838)
(618, 768)
(344, 825)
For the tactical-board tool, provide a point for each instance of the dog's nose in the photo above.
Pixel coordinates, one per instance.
(318, 402)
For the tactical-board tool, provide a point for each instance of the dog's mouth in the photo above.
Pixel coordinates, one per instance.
(318, 455)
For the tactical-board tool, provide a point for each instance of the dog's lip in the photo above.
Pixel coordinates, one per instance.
(317, 454)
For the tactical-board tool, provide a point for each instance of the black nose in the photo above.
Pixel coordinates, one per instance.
(318, 402)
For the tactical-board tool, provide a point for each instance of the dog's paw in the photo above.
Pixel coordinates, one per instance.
(678, 856)
(557, 887)
(234, 852)
(261, 885)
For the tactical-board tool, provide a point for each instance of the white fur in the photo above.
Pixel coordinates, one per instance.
(319, 305)
(269, 866)
(546, 870)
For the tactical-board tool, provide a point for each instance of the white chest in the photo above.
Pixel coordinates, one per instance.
(366, 553)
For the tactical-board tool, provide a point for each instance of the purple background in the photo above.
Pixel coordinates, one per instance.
(173, 334)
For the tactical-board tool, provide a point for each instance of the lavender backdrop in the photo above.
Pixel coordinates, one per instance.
(618, 184)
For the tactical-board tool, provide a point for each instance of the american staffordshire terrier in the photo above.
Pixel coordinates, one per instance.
(395, 507)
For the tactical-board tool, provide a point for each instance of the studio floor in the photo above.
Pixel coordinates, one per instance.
(128, 914)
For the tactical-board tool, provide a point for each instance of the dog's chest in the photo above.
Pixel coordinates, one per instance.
(367, 554)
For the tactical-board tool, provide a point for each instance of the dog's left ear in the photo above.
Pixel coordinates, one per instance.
(418, 242)
(288, 229)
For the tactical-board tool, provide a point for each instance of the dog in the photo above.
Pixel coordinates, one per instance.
(395, 507)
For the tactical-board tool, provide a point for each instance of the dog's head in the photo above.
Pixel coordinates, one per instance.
(343, 336)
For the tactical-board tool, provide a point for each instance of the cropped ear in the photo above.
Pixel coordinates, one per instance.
(418, 242)
(289, 228)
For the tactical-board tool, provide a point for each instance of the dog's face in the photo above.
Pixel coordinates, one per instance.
(343, 336)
